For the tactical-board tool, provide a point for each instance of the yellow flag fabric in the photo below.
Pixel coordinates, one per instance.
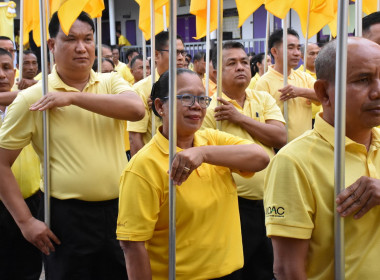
(333, 25)
(279, 8)
(7, 14)
(246, 8)
(69, 10)
(369, 6)
(32, 21)
(199, 9)
(320, 14)
(144, 16)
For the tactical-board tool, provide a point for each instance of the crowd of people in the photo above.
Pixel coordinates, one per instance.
(255, 192)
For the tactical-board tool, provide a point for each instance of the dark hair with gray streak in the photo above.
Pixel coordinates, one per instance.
(325, 62)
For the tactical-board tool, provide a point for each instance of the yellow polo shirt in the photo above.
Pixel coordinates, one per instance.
(260, 106)
(144, 126)
(124, 71)
(86, 149)
(208, 234)
(212, 87)
(299, 109)
(253, 81)
(26, 170)
(299, 201)
(314, 108)
(123, 41)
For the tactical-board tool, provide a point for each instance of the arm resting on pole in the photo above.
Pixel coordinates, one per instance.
(124, 106)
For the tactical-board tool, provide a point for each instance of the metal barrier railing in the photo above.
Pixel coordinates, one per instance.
(250, 45)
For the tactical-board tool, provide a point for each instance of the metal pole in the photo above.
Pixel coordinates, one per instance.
(21, 43)
(172, 134)
(358, 18)
(340, 132)
(111, 12)
(378, 5)
(208, 47)
(164, 17)
(45, 114)
(285, 64)
(307, 38)
(144, 55)
(219, 55)
(266, 51)
(99, 42)
(153, 55)
(51, 57)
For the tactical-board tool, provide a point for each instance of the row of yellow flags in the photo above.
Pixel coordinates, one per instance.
(321, 13)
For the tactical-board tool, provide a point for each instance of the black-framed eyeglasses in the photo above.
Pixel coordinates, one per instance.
(188, 100)
(179, 52)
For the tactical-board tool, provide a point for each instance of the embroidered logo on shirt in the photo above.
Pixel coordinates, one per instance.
(273, 211)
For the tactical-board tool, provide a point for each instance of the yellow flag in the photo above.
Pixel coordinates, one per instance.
(321, 13)
(246, 8)
(199, 9)
(279, 8)
(333, 25)
(69, 10)
(32, 21)
(369, 6)
(144, 16)
(7, 14)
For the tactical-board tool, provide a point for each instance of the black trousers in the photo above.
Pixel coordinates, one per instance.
(19, 259)
(89, 249)
(257, 247)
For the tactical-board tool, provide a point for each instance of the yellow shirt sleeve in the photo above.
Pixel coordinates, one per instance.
(286, 217)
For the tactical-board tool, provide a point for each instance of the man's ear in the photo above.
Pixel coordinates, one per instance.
(51, 44)
(274, 51)
(320, 88)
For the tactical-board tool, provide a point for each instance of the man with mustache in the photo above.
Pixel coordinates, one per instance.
(255, 116)
(299, 186)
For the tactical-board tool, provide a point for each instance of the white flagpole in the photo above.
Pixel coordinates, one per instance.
(340, 132)
(153, 53)
(172, 134)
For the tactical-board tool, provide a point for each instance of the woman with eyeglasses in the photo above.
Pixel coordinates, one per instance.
(208, 238)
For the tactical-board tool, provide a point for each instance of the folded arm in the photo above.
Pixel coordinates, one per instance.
(125, 106)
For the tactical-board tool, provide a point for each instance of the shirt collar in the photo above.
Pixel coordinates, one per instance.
(279, 75)
(56, 82)
(163, 143)
(327, 131)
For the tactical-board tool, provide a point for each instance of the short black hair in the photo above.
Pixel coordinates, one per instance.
(95, 65)
(370, 20)
(5, 52)
(131, 51)
(162, 40)
(160, 88)
(199, 56)
(5, 38)
(276, 37)
(137, 57)
(115, 47)
(55, 24)
(30, 52)
(226, 46)
(188, 56)
(254, 60)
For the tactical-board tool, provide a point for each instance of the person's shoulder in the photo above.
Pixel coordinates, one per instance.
(144, 85)
(261, 95)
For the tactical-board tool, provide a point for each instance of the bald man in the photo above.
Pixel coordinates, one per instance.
(299, 189)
